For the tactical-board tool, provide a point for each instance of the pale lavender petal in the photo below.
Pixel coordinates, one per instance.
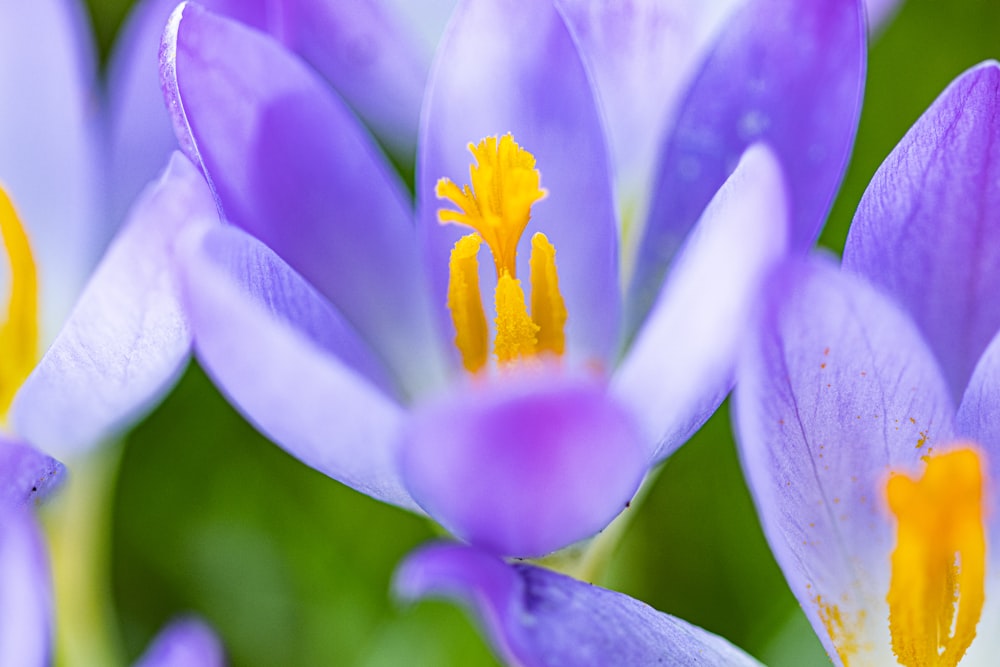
(524, 464)
(50, 164)
(371, 57)
(290, 164)
(511, 66)
(880, 12)
(928, 230)
(290, 362)
(187, 642)
(26, 475)
(25, 591)
(127, 339)
(789, 74)
(680, 366)
(643, 54)
(979, 419)
(139, 132)
(837, 389)
(538, 618)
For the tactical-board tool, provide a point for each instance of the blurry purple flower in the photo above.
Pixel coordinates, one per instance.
(322, 312)
(876, 494)
(534, 617)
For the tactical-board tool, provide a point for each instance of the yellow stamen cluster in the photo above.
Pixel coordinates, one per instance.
(505, 184)
(936, 593)
(19, 333)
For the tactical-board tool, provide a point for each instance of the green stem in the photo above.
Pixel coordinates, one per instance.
(78, 523)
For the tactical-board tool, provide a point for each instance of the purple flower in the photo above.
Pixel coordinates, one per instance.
(323, 310)
(64, 186)
(534, 617)
(876, 494)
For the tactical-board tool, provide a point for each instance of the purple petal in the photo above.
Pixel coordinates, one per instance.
(26, 475)
(787, 73)
(291, 363)
(979, 419)
(290, 164)
(535, 617)
(681, 365)
(511, 66)
(187, 642)
(25, 591)
(836, 390)
(49, 162)
(524, 464)
(643, 55)
(127, 339)
(141, 138)
(927, 230)
(880, 12)
(371, 57)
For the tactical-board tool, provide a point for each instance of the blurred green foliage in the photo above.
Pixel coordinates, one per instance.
(294, 569)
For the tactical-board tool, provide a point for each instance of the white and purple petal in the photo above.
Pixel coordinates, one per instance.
(788, 74)
(538, 618)
(512, 66)
(127, 339)
(50, 163)
(291, 363)
(25, 591)
(524, 464)
(680, 366)
(186, 642)
(836, 389)
(927, 230)
(291, 164)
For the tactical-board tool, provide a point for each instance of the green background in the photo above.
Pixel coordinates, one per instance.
(292, 568)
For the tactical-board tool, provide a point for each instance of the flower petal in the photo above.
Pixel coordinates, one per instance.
(127, 339)
(290, 362)
(25, 591)
(525, 464)
(643, 54)
(50, 164)
(371, 56)
(140, 136)
(880, 12)
(536, 617)
(26, 474)
(928, 229)
(511, 66)
(789, 74)
(680, 367)
(979, 419)
(837, 389)
(187, 642)
(290, 164)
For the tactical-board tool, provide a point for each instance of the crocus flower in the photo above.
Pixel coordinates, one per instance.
(125, 339)
(322, 311)
(877, 494)
(26, 608)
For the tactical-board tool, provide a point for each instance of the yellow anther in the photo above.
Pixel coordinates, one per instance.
(466, 303)
(548, 310)
(516, 333)
(505, 184)
(936, 592)
(19, 333)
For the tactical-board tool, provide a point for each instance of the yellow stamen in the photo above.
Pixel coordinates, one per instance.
(516, 333)
(548, 309)
(466, 303)
(505, 184)
(936, 592)
(19, 333)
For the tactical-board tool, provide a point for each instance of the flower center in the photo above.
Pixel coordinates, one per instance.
(936, 592)
(505, 184)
